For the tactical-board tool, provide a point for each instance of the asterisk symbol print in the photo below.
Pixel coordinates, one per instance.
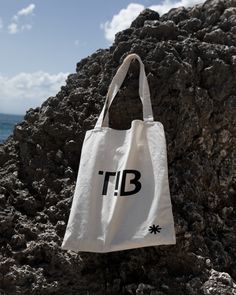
(154, 229)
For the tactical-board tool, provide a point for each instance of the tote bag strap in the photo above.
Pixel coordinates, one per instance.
(115, 85)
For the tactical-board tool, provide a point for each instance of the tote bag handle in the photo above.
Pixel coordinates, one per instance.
(115, 85)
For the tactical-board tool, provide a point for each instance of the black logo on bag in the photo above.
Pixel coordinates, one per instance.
(134, 176)
(154, 229)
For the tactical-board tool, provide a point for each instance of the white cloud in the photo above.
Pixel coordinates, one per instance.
(26, 27)
(18, 19)
(125, 16)
(168, 4)
(1, 23)
(15, 18)
(121, 21)
(27, 10)
(26, 90)
(79, 43)
(13, 28)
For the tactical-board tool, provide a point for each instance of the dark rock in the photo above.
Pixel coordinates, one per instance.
(160, 30)
(219, 283)
(191, 25)
(176, 14)
(147, 14)
(216, 36)
(190, 59)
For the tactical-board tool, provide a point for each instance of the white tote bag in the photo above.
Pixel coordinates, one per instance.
(122, 200)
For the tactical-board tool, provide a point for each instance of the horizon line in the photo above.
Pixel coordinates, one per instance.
(12, 114)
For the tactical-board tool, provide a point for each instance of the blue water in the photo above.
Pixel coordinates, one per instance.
(7, 124)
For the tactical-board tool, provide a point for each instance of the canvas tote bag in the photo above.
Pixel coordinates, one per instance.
(121, 199)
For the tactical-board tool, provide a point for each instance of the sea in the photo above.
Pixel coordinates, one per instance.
(7, 124)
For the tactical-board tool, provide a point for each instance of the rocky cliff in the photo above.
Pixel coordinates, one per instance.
(190, 59)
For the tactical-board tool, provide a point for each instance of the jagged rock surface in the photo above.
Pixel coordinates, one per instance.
(190, 59)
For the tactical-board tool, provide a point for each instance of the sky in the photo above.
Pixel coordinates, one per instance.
(42, 40)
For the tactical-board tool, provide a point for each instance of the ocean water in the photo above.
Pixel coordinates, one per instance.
(7, 124)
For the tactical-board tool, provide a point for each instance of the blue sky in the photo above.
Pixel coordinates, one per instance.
(42, 40)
